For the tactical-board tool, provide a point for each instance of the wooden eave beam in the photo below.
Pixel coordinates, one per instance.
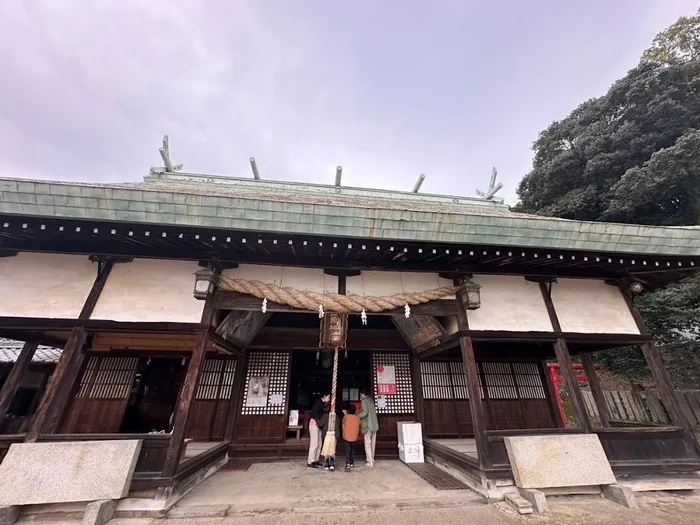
(452, 342)
(227, 346)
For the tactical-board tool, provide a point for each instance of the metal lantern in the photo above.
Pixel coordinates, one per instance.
(334, 331)
(204, 283)
(636, 287)
(470, 293)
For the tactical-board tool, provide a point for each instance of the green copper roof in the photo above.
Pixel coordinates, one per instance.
(246, 204)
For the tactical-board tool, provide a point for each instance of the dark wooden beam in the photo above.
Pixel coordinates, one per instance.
(228, 346)
(667, 392)
(187, 393)
(60, 385)
(53, 403)
(9, 388)
(596, 389)
(472, 376)
(417, 383)
(566, 367)
(236, 394)
(451, 342)
(104, 269)
(241, 327)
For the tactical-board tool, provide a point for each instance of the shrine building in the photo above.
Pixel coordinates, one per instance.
(192, 312)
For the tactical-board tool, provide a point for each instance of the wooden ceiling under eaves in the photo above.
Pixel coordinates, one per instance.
(153, 241)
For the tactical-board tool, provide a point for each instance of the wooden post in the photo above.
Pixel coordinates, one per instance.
(668, 393)
(9, 388)
(596, 390)
(475, 404)
(232, 413)
(48, 413)
(417, 391)
(188, 391)
(566, 367)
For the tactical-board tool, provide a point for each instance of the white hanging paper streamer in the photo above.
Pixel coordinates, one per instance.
(346, 353)
(407, 311)
(264, 305)
(320, 311)
(363, 316)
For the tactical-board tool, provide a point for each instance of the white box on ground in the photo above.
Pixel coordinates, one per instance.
(411, 453)
(409, 433)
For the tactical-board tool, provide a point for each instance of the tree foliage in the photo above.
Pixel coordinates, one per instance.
(633, 156)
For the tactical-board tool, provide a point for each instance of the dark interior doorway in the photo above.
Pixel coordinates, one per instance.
(154, 395)
(312, 375)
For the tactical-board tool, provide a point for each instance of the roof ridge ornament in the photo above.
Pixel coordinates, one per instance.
(490, 194)
(165, 155)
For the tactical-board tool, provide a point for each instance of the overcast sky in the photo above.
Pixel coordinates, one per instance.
(388, 89)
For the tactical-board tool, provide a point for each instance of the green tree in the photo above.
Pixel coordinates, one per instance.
(633, 156)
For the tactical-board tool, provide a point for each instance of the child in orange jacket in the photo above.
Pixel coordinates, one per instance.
(351, 431)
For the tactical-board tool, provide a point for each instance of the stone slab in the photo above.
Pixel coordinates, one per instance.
(519, 503)
(41, 473)
(8, 515)
(99, 512)
(620, 494)
(558, 461)
(537, 499)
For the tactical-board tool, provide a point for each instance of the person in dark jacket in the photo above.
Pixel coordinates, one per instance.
(317, 421)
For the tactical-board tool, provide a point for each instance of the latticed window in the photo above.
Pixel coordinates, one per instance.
(216, 381)
(108, 377)
(447, 380)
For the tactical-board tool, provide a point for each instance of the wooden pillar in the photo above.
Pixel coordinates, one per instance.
(566, 367)
(9, 388)
(237, 390)
(472, 373)
(59, 387)
(188, 391)
(596, 390)
(417, 391)
(48, 414)
(668, 393)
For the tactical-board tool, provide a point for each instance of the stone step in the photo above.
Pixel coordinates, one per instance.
(519, 503)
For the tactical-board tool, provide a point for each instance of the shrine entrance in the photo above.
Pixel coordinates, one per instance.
(311, 377)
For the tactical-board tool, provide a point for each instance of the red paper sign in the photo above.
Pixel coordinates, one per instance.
(386, 380)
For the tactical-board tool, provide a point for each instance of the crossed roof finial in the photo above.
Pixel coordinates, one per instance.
(490, 194)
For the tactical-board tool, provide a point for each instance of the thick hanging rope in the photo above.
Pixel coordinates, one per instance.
(329, 443)
(331, 302)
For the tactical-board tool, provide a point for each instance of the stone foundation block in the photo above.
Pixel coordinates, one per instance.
(537, 499)
(9, 515)
(620, 494)
(99, 512)
(519, 503)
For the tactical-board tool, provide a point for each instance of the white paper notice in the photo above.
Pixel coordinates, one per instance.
(277, 400)
(381, 402)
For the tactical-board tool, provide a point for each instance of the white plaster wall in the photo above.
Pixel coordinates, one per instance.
(509, 303)
(307, 279)
(150, 290)
(591, 307)
(378, 283)
(53, 286)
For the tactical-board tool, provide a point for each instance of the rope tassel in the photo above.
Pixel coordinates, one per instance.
(329, 442)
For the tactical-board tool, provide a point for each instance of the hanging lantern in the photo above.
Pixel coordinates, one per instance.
(470, 293)
(204, 283)
(334, 331)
